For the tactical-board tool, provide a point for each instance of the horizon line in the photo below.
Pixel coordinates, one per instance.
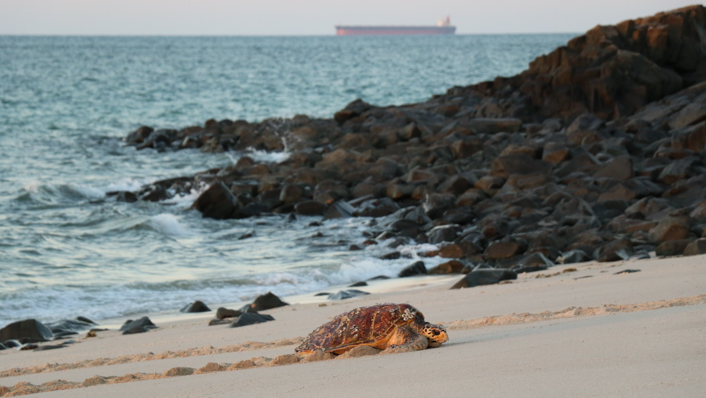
(260, 35)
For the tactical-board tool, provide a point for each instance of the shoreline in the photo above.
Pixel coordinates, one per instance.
(565, 312)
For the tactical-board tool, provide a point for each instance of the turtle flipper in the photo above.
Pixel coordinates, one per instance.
(406, 339)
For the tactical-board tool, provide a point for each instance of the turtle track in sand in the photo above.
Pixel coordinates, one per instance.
(24, 388)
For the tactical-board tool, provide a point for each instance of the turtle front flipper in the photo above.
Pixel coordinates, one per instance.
(405, 339)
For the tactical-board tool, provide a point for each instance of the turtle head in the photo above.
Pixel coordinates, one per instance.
(435, 334)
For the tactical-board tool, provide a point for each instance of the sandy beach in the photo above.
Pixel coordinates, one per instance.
(588, 332)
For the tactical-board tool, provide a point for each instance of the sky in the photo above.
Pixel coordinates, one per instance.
(311, 17)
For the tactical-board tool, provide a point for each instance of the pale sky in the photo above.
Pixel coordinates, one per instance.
(311, 17)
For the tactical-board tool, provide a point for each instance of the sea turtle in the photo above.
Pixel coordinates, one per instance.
(391, 327)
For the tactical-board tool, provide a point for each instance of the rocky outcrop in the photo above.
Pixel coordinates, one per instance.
(596, 152)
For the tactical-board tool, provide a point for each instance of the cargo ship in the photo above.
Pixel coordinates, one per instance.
(443, 27)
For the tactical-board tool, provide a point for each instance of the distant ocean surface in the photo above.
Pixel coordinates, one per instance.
(66, 102)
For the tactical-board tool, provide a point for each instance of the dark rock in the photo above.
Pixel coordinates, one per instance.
(449, 267)
(143, 322)
(584, 130)
(627, 271)
(26, 331)
(216, 202)
(339, 209)
(67, 327)
(391, 256)
(575, 256)
(310, 208)
(616, 250)
(492, 126)
(417, 268)
(290, 194)
(135, 330)
(222, 313)
(445, 233)
(482, 277)
(527, 269)
(695, 248)
(502, 250)
(522, 164)
(535, 259)
(376, 208)
(196, 306)
(455, 185)
(672, 248)
(251, 319)
(155, 194)
(669, 228)
(138, 136)
(619, 168)
(358, 284)
(347, 294)
(266, 302)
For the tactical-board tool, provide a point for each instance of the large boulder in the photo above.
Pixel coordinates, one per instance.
(216, 202)
(26, 331)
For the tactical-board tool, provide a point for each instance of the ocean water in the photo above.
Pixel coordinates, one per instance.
(66, 103)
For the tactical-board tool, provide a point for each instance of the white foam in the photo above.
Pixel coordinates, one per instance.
(168, 224)
(86, 191)
(264, 156)
(129, 184)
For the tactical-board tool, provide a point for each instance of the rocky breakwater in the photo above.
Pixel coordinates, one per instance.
(596, 152)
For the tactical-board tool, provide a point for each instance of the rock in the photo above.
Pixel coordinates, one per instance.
(502, 250)
(358, 284)
(67, 327)
(584, 130)
(347, 294)
(339, 209)
(449, 267)
(574, 256)
(216, 202)
(222, 313)
(520, 269)
(492, 126)
(248, 318)
(138, 136)
(484, 277)
(555, 153)
(672, 248)
(310, 208)
(619, 168)
(135, 330)
(290, 194)
(266, 302)
(26, 331)
(695, 248)
(669, 228)
(677, 170)
(414, 269)
(143, 322)
(444, 233)
(519, 164)
(376, 208)
(627, 271)
(196, 306)
(616, 250)
(535, 259)
(455, 185)
(391, 256)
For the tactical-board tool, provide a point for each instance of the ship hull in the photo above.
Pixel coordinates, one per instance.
(394, 30)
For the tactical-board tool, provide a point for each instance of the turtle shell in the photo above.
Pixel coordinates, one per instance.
(371, 326)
